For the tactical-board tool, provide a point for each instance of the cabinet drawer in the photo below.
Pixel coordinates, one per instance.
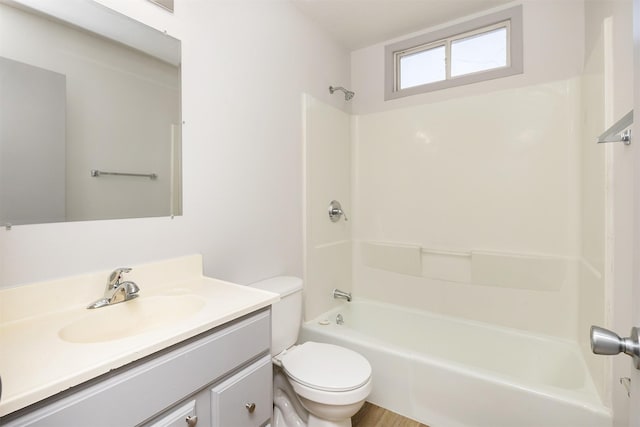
(245, 399)
(178, 417)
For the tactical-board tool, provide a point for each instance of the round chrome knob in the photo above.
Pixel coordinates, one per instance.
(250, 407)
(603, 341)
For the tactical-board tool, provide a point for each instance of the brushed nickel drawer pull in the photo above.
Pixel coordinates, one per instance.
(250, 407)
(191, 421)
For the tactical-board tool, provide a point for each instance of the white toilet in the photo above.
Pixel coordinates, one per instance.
(314, 384)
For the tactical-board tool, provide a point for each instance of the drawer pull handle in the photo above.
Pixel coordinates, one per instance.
(250, 407)
(191, 421)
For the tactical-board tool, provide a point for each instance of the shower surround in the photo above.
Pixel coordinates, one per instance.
(469, 208)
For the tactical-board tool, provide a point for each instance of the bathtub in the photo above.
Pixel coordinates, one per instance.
(448, 372)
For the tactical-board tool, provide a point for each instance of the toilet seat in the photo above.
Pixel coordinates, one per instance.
(331, 398)
(325, 367)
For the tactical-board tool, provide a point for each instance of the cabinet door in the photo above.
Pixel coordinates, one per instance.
(245, 399)
(183, 416)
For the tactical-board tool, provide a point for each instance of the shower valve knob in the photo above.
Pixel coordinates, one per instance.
(335, 211)
(606, 342)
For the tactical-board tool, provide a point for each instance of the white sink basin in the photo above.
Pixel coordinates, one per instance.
(131, 318)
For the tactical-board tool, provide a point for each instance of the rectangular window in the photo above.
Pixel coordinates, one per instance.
(485, 48)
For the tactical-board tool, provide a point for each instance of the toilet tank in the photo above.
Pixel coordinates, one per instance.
(286, 314)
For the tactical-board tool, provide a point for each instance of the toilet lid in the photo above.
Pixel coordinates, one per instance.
(326, 367)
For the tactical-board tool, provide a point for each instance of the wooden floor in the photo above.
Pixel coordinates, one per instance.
(374, 416)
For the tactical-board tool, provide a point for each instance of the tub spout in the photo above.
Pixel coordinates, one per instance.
(337, 293)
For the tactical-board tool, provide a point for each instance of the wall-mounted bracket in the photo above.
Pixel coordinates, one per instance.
(618, 132)
(165, 4)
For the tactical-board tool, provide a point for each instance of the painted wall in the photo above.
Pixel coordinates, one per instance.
(245, 65)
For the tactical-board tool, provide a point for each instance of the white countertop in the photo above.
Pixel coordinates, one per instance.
(36, 363)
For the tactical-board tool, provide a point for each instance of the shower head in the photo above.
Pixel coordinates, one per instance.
(348, 95)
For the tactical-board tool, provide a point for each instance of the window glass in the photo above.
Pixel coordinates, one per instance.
(422, 67)
(479, 52)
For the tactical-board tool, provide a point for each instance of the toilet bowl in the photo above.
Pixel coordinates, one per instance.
(315, 384)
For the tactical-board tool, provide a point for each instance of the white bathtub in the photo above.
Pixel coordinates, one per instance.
(447, 372)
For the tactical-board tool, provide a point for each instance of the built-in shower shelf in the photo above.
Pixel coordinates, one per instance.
(533, 271)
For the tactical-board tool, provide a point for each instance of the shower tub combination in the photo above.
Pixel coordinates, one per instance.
(448, 372)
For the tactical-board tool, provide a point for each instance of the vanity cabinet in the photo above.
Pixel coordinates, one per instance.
(220, 378)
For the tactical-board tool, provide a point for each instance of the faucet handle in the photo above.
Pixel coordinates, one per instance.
(131, 287)
(335, 211)
(116, 276)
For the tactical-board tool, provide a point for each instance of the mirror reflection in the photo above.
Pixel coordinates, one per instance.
(73, 101)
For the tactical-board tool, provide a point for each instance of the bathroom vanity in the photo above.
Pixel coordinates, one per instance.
(206, 365)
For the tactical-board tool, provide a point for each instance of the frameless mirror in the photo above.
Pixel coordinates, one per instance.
(89, 114)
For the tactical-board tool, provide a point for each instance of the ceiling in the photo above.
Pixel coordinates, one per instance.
(360, 23)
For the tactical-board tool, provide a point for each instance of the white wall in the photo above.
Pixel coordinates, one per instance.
(245, 65)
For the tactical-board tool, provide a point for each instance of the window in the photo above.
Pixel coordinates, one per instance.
(482, 49)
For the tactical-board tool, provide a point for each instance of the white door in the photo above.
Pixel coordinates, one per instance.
(626, 233)
(634, 407)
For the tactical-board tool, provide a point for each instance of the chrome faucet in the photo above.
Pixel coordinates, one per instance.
(116, 290)
(337, 293)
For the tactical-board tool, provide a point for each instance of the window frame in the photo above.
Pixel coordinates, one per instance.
(511, 18)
